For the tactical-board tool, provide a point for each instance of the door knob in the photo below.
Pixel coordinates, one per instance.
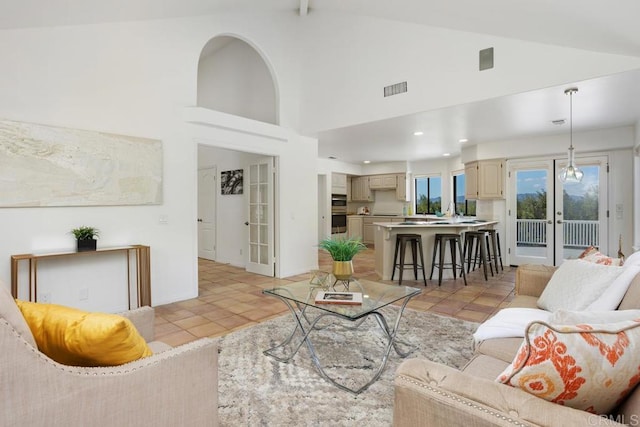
(549, 222)
(558, 213)
(559, 221)
(246, 223)
(199, 219)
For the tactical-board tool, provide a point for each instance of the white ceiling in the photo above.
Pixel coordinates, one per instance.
(586, 24)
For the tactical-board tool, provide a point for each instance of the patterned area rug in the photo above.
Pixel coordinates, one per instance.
(257, 390)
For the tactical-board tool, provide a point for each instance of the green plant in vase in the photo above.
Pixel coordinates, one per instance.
(86, 238)
(342, 251)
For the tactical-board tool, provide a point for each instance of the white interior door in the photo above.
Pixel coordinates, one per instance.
(261, 217)
(530, 212)
(207, 213)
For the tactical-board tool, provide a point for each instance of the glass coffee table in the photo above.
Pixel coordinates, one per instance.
(300, 297)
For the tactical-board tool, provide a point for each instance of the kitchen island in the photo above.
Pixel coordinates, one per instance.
(385, 240)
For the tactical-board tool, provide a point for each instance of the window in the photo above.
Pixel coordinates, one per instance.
(428, 194)
(467, 207)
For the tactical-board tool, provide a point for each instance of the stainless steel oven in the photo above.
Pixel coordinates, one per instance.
(338, 213)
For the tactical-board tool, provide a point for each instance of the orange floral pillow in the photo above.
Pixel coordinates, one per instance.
(592, 254)
(588, 367)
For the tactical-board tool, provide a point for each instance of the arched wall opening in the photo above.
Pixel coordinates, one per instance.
(234, 78)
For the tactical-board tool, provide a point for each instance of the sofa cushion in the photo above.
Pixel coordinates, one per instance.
(577, 284)
(483, 366)
(503, 349)
(592, 254)
(11, 313)
(78, 338)
(564, 317)
(588, 367)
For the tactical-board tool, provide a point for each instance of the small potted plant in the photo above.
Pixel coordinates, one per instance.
(86, 238)
(342, 251)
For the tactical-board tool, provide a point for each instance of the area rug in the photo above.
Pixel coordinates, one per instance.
(257, 390)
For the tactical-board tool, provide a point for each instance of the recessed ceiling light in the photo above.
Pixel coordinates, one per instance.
(463, 140)
(418, 133)
(332, 157)
(558, 122)
(446, 154)
(366, 162)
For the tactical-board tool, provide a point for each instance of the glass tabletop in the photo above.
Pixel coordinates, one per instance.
(374, 296)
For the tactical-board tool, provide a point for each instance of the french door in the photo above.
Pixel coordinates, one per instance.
(549, 221)
(260, 217)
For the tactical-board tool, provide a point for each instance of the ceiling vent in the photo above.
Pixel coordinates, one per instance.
(486, 59)
(395, 89)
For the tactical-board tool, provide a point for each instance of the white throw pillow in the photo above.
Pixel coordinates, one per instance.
(610, 299)
(633, 259)
(576, 284)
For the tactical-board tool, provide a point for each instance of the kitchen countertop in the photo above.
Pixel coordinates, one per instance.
(448, 222)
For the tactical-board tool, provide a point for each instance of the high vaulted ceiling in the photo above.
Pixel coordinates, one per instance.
(593, 25)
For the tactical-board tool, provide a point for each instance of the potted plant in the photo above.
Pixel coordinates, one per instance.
(342, 251)
(86, 238)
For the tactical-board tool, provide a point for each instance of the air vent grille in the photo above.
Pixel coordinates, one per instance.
(395, 89)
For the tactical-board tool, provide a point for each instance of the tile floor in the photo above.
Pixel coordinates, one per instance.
(230, 298)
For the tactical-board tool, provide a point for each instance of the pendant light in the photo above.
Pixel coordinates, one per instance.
(570, 173)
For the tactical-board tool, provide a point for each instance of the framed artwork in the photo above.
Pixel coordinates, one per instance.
(231, 182)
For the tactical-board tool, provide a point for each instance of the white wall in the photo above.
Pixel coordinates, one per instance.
(234, 79)
(350, 59)
(135, 79)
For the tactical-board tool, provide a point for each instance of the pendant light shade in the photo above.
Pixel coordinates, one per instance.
(570, 173)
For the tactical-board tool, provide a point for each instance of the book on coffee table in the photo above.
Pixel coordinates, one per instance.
(324, 297)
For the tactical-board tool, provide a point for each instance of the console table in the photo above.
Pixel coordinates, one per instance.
(142, 268)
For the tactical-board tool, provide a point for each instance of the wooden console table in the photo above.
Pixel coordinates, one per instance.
(142, 266)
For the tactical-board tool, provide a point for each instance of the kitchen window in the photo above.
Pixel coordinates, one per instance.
(467, 207)
(428, 194)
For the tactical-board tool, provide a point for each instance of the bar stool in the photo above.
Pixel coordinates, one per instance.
(479, 239)
(416, 247)
(439, 245)
(494, 253)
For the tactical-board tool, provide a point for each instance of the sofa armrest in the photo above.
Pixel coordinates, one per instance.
(143, 319)
(172, 388)
(431, 394)
(531, 279)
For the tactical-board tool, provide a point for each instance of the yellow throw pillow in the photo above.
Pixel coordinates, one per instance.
(79, 338)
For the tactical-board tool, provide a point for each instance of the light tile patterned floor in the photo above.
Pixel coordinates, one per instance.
(230, 298)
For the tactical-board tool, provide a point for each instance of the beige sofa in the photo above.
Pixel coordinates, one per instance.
(174, 387)
(431, 394)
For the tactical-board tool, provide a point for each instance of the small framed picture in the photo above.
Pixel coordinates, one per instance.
(231, 182)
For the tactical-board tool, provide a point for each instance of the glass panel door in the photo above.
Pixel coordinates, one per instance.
(530, 228)
(260, 207)
(581, 214)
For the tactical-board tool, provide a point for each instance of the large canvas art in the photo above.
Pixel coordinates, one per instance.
(52, 166)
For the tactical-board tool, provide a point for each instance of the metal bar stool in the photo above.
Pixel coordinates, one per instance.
(416, 248)
(439, 246)
(479, 239)
(495, 253)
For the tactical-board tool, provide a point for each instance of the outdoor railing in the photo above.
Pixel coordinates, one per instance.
(533, 232)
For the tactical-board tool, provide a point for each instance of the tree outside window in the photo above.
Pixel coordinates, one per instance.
(467, 207)
(428, 194)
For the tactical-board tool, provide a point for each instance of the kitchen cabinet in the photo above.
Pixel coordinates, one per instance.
(401, 187)
(338, 183)
(360, 191)
(382, 182)
(348, 189)
(354, 227)
(369, 230)
(484, 179)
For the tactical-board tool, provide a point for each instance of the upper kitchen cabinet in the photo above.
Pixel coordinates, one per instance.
(338, 183)
(360, 191)
(484, 179)
(382, 182)
(401, 187)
